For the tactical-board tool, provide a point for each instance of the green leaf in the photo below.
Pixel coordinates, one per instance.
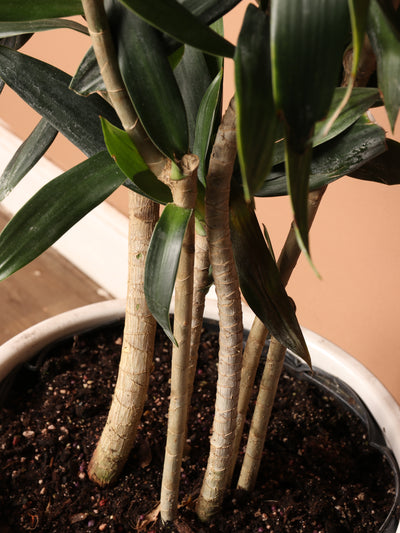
(255, 107)
(10, 28)
(209, 11)
(162, 263)
(45, 89)
(54, 209)
(205, 125)
(361, 99)
(381, 169)
(173, 18)
(87, 79)
(358, 17)
(339, 157)
(39, 9)
(27, 155)
(260, 279)
(150, 82)
(129, 160)
(387, 50)
(193, 80)
(307, 42)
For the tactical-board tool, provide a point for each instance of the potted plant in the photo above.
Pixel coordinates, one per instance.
(153, 73)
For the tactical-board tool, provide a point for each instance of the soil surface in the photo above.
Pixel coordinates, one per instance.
(318, 474)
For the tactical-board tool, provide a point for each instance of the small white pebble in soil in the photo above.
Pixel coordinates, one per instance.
(28, 434)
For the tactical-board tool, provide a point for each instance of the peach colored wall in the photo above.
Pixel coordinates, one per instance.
(355, 240)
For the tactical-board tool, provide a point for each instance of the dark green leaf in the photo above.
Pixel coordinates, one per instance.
(205, 125)
(55, 209)
(173, 18)
(384, 168)
(87, 79)
(45, 89)
(7, 29)
(162, 263)
(129, 160)
(39, 9)
(361, 99)
(255, 107)
(209, 11)
(334, 159)
(307, 43)
(193, 80)
(260, 279)
(150, 81)
(27, 155)
(387, 50)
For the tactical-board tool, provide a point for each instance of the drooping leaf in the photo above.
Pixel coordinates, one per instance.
(193, 80)
(205, 125)
(15, 42)
(382, 169)
(45, 89)
(361, 99)
(10, 28)
(39, 9)
(358, 17)
(27, 155)
(338, 157)
(307, 42)
(129, 160)
(387, 50)
(162, 263)
(150, 81)
(260, 280)
(54, 209)
(173, 18)
(255, 108)
(87, 79)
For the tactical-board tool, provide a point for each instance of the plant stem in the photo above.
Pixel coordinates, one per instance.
(200, 285)
(251, 358)
(287, 261)
(126, 409)
(229, 304)
(184, 193)
(261, 416)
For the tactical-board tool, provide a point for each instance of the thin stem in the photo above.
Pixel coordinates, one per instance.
(230, 311)
(261, 416)
(184, 192)
(258, 332)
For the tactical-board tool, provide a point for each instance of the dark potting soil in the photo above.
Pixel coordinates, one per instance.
(318, 472)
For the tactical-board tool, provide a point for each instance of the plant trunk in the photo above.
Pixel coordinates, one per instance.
(184, 193)
(251, 358)
(258, 332)
(138, 344)
(200, 287)
(261, 416)
(130, 392)
(230, 311)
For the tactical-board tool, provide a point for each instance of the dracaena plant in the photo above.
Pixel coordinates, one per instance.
(145, 108)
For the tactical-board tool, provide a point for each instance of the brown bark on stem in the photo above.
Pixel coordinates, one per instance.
(184, 193)
(126, 409)
(261, 416)
(229, 304)
(258, 332)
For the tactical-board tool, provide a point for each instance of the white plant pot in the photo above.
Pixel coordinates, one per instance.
(325, 356)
